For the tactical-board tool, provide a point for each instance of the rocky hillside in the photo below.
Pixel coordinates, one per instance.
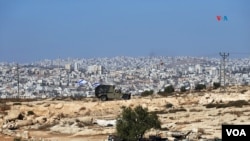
(192, 115)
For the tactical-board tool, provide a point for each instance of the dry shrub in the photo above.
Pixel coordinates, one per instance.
(131, 105)
(238, 103)
(88, 113)
(195, 110)
(187, 115)
(4, 107)
(243, 91)
(177, 110)
(182, 122)
(197, 120)
(247, 110)
(82, 108)
(164, 129)
(169, 105)
(237, 113)
(17, 103)
(172, 118)
(30, 113)
(201, 130)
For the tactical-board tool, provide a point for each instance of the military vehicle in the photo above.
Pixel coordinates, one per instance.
(108, 92)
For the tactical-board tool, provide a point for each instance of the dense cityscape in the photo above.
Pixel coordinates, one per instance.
(77, 77)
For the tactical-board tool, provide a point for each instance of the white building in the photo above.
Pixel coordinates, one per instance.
(76, 66)
(95, 69)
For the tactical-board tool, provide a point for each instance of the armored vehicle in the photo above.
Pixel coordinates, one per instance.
(108, 92)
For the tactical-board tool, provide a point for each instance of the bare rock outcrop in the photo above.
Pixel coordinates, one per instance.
(21, 123)
(86, 120)
(12, 115)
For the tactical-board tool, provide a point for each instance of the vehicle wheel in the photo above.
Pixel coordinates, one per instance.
(104, 98)
(126, 96)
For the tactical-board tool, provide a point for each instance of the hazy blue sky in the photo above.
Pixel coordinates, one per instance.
(32, 30)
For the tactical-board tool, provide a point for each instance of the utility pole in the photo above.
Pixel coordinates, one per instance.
(223, 70)
(60, 75)
(59, 67)
(17, 68)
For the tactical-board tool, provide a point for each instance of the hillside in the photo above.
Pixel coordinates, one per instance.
(200, 114)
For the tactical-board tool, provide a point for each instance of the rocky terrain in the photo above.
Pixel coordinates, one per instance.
(197, 116)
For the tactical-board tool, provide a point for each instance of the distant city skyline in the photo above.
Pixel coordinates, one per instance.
(35, 30)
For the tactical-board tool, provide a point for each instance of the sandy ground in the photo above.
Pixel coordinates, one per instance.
(63, 137)
(5, 138)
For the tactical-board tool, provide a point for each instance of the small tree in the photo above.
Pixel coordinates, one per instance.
(147, 93)
(169, 89)
(183, 89)
(199, 87)
(216, 85)
(133, 123)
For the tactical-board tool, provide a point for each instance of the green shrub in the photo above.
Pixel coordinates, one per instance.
(183, 89)
(199, 87)
(147, 93)
(133, 123)
(169, 90)
(216, 85)
(30, 113)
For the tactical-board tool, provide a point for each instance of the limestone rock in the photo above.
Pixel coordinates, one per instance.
(85, 120)
(101, 122)
(59, 106)
(12, 115)
(21, 123)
